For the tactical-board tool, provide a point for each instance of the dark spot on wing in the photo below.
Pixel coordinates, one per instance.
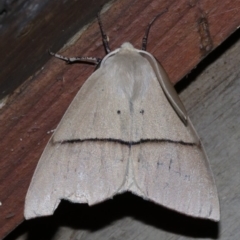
(187, 177)
(170, 164)
(159, 164)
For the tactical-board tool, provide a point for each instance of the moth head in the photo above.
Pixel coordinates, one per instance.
(127, 45)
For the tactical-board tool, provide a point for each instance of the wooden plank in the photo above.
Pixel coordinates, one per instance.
(30, 28)
(212, 100)
(179, 40)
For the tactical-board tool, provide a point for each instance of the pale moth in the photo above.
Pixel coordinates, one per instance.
(126, 130)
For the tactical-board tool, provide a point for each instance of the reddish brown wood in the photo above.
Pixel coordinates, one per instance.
(179, 40)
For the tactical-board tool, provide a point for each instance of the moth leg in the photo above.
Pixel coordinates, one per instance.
(93, 60)
(145, 38)
(105, 38)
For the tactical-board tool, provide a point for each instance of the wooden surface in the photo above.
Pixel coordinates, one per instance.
(179, 40)
(30, 27)
(212, 99)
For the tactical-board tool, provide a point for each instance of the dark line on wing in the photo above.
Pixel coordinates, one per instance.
(71, 141)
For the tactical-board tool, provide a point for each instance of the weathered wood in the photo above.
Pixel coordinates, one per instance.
(212, 100)
(179, 40)
(30, 28)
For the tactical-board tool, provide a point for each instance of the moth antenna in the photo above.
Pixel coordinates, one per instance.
(104, 35)
(145, 38)
(92, 60)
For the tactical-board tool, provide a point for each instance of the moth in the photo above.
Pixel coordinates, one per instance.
(126, 130)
